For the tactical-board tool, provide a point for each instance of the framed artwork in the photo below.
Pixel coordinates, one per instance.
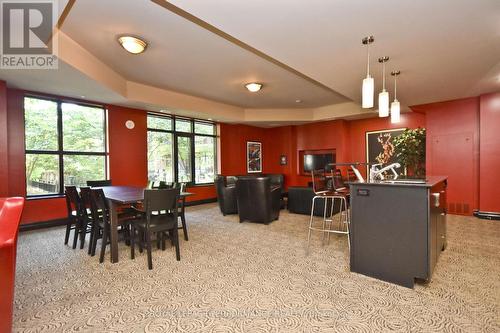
(283, 160)
(254, 157)
(379, 146)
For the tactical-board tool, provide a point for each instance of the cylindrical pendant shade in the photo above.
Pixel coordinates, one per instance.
(368, 91)
(383, 104)
(395, 112)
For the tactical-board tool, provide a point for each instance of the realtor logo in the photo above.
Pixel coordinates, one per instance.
(26, 36)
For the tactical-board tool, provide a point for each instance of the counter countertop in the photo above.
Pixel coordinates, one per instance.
(429, 181)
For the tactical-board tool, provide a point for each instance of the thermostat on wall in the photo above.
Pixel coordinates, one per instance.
(129, 124)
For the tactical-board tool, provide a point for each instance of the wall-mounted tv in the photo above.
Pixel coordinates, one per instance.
(317, 161)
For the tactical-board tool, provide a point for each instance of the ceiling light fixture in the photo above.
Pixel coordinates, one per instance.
(383, 96)
(395, 106)
(253, 86)
(368, 88)
(132, 44)
(298, 101)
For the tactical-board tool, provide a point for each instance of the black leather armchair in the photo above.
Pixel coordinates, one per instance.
(226, 194)
(258, 201)
(277, 179)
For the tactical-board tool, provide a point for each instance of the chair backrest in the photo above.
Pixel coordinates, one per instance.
(73, 201)
(98, 183)
(85, 195)
(350, 174)
(161, 200)
(338, 182)
(99, 204)
(318, 181)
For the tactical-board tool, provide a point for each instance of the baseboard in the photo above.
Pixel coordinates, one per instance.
(201, 202)
(42, 225)
(487, 215)
(60, 222)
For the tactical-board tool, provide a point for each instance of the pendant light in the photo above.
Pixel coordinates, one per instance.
(368, 88)
(383, 96)
(395, 106)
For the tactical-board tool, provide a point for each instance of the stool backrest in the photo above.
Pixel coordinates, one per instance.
(318, 181)
(337, 180)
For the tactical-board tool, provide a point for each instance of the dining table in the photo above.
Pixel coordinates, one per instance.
(119, 196)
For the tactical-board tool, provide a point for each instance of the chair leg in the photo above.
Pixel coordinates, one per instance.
(68, 229)
(311, 222)
(148, 248)
(176, 241)
(104, 241)
(77, 232)
(141, 241)
(83, 233)
(91, 240)
(132, 242)
(163, 241)
(158, 240)
(324, 217)
(94, 240)
(184, 227)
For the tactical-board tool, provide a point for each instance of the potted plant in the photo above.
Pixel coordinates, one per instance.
(410, 151)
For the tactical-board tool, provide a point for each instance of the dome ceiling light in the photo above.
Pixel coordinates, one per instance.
(253, 86)
(132, 44)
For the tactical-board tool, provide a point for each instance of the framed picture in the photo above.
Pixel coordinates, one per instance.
(283, 160)
(254, 157)
(379, 146)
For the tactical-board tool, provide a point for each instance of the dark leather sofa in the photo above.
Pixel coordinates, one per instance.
(258, 200)
(300, 202)
(226, 194)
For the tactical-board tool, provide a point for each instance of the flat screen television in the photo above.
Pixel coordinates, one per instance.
(317, 161)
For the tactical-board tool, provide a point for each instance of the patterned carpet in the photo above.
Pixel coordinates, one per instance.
(249, 277)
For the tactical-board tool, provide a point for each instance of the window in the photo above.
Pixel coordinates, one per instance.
(65, 145)
(181, 150)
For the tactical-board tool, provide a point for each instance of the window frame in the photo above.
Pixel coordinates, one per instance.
(192, 135)
(60, 152)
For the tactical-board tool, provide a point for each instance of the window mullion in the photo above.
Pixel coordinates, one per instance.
(61, 145)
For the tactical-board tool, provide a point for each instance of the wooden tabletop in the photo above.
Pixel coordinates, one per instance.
(129, 194)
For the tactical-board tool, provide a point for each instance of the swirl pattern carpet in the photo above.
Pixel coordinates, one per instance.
(250, 277)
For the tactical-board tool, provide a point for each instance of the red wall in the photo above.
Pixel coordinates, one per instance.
(453, 150)
(347, 138)
(127, 147)
(127, 156)
(453, 136)
(489, 149)
(233, 140)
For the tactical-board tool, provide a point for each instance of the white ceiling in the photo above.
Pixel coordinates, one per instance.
(445, 49)
(185, 57)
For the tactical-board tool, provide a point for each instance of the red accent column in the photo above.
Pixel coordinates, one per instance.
(489, 148)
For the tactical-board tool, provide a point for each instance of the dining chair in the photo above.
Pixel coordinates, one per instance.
(182, 209)
(75, 214)
(154, 222)
(99, 183)
(88, 221)
(101, 218)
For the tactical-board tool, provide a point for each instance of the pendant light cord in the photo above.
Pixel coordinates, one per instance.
(395, 87)
(368, 59)
(383, 76)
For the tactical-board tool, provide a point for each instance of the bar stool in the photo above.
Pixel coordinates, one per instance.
(337, 199)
